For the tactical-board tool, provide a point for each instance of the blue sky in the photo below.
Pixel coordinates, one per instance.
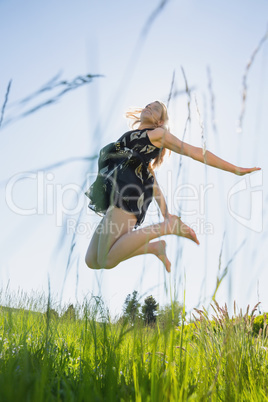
(40, 40)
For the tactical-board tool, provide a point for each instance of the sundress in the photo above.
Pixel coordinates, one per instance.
(123, 178)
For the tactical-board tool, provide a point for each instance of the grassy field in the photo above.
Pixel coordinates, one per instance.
(85, 357)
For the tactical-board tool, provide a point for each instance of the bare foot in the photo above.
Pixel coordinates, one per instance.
(159, 251)
(176, 226)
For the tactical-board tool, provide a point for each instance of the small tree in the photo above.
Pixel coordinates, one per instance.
(52, 314)
(149, 310)
(131, 307)
(70, 313)
(170, 315)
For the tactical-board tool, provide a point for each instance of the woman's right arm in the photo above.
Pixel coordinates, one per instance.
(159, 197)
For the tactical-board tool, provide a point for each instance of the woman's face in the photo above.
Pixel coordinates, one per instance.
(152, 113)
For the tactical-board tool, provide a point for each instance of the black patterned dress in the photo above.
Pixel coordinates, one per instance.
(124, 179)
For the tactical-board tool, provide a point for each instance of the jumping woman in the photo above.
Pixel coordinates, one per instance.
(126, 184)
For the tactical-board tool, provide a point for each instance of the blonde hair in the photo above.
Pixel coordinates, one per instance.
(133, 114)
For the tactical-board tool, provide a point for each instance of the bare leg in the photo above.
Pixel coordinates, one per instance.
(117, 242)
(158, 248)
(91, 258)
(109, 231)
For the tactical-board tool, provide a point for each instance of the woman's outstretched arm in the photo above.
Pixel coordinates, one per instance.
(165, 139)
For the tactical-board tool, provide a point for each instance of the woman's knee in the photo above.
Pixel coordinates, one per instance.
(91, 262)
(106, 262)
(99, 263)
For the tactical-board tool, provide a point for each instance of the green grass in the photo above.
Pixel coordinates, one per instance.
(45, 358)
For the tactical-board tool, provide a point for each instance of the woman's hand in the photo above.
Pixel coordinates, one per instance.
(241, 171)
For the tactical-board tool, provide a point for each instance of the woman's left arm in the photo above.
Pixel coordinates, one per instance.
(167, 140)
(212, 160)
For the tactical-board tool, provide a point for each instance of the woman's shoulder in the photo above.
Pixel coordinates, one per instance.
(155, 136)
(158, 131)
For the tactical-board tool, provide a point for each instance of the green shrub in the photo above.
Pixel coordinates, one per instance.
(259, 323)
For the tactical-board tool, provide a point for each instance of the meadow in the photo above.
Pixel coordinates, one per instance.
(84, 356)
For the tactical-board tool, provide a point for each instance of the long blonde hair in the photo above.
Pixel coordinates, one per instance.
(133, 114)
